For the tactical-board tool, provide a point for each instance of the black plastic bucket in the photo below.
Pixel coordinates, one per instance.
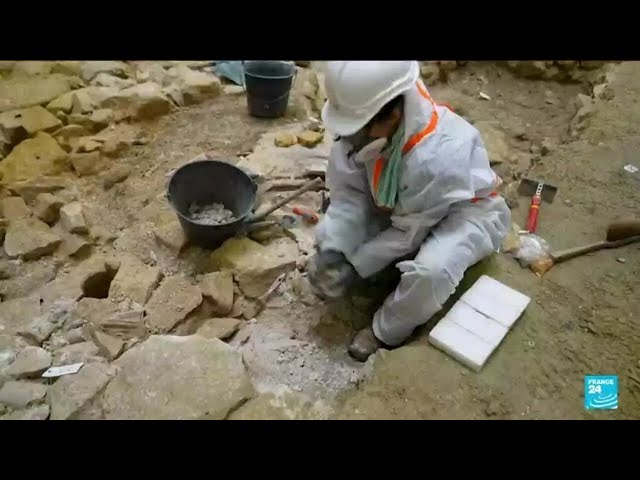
(268, 84)
(206, 182)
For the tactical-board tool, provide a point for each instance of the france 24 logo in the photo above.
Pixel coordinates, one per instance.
(601, 392)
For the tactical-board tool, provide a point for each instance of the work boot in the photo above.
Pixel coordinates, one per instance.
(364, 344)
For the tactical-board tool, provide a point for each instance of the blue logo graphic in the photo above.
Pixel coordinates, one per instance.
(601, 392)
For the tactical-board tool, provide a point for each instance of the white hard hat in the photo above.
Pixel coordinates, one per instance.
(357, 90)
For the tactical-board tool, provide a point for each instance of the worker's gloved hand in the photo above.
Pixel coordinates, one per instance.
(330, 274)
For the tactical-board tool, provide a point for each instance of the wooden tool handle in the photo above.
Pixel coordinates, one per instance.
(256, 217)
(534, 211)
(569, 253)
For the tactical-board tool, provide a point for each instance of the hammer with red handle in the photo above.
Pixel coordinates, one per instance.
(308, 216)
(539, 192)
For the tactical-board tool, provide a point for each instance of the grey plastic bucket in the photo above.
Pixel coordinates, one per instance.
(211, 181)
(268, 84)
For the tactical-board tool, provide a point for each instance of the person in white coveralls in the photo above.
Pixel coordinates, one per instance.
(411, 186)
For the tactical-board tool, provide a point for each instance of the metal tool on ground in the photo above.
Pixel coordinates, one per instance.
(212, 181)
(625, 233)
(539, 192)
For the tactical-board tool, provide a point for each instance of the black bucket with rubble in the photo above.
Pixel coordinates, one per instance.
(268, 84)
(212, 200)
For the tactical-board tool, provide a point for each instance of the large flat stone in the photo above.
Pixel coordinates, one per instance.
(218, 286)
(29, 277)
(104, 79)
(174, 299)
(30, 189)
(34, 157)
(106, 315)
(284, 405)
(178, 378)
(145, 100)
(71, 393)
(23, 123)
(29, 239)
(30, 362)
(83, 97)
(39, 412)
(76, 353)
(171, 236)
(22, 394)
(255, 266)
(110, 347)
(16, 314)
(26, 92)
(220, 328)
(27, 68)
(91, 69)
(52, 317)
(14, 208)
(191, 87)
(135, 281)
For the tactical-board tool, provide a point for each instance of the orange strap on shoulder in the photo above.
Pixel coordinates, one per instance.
(414, 139)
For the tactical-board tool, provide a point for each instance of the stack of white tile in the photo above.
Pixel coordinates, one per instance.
(478, 322)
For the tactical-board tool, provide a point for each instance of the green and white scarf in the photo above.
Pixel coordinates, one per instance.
(387, 192)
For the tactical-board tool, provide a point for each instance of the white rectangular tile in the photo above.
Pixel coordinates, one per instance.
(484, 327)
(496, 300)
(461, 344)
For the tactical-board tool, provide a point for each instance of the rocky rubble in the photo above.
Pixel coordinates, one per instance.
(30, 362)
(174, 299)
(22, 394)
(254, 266)
(556, 70)
(78, 99)
(29, 239)
(40, 155)
(188, 378)
(218, 287)
(70, 393)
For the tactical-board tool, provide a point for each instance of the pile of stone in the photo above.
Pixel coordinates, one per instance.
(119, 317)
(63, 108)
(556, 70)
(433, 72)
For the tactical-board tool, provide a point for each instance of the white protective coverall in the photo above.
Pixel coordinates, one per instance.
(446, 210)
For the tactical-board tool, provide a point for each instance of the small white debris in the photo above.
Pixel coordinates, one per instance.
(63, 370)
(484, 96)
(631, 168)
(621, 260)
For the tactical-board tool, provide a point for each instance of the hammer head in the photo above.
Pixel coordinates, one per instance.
(529, 187)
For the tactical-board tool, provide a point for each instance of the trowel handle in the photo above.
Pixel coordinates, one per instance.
(534, 210)
(258, 216)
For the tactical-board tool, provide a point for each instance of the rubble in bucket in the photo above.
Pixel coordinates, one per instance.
(212, 214)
